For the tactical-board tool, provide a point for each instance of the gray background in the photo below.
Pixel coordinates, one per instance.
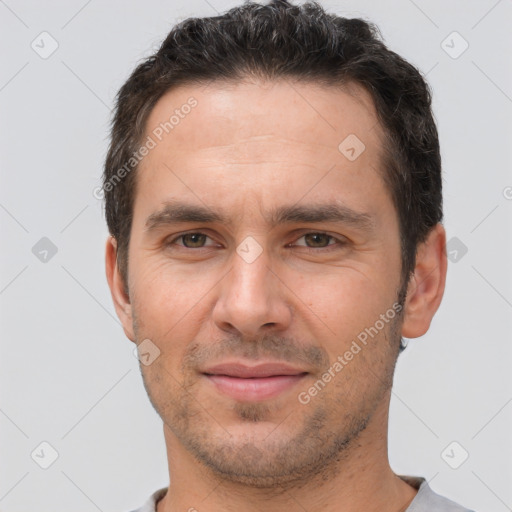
(67, 374)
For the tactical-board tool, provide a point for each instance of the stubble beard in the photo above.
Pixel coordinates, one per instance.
(286, 458)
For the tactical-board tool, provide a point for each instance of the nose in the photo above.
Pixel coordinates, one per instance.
(252, 299)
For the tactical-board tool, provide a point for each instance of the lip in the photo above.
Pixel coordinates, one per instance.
(253, 383)
(254, 389)
(241, 370)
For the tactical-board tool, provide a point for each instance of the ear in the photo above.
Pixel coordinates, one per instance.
(117, 289)
(426, 286)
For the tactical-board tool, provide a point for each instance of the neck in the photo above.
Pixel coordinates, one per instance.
(360, 479)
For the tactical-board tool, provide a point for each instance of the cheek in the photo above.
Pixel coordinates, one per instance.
(164, 283)
(162, 297)
(346, 300)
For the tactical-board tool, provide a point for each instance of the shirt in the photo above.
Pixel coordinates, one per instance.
(426, 500)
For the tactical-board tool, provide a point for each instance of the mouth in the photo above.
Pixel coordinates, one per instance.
(256, 383)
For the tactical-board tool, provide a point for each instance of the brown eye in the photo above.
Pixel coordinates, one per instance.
(317, 239)
(193, 240)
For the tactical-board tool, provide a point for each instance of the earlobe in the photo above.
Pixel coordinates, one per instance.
(117, 288)
(426, 286)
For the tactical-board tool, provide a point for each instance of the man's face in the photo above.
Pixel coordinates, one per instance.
(264, 279)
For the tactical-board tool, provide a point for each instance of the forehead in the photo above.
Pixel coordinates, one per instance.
(227, 112)
(266, 141)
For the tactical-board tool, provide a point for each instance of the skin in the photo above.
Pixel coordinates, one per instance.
(245, 150)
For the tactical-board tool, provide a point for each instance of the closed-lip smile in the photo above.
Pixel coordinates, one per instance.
(253, 383)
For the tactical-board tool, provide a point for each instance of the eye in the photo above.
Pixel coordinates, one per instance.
(313, 240)
(317, 240)
(191, 240)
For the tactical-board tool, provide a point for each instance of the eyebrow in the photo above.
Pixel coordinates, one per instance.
(175, 211)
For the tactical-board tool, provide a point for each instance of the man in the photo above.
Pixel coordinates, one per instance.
(273, 194)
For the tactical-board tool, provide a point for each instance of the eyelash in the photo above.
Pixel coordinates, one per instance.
(339, 243)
